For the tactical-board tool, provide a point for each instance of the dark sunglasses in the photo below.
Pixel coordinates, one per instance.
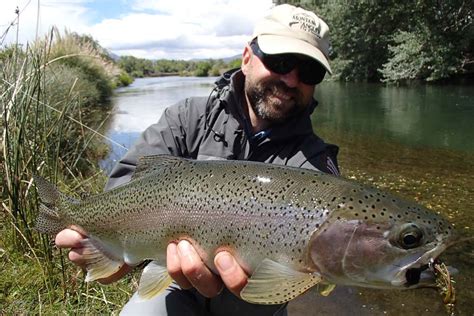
(309, 71)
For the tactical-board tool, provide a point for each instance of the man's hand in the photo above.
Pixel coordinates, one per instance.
(72, 239)
(183, 263)
(187, 269)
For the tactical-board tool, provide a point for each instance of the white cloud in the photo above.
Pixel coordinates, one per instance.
(180, 29)
(71, 14)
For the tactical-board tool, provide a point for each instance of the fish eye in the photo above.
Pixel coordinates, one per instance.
(411, 236)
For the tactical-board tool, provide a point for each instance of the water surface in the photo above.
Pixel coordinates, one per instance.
(141, 104)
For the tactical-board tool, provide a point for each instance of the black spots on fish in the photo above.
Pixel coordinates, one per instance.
(289, 183)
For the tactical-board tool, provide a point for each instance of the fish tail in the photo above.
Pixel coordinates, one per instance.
(49, 220)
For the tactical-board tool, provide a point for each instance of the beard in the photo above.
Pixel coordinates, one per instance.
(273, 100)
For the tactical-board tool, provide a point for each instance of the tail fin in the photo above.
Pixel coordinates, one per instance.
(49, 221)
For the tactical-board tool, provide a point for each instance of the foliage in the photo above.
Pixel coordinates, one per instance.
(236, 63)
(123, 80)
(202, 69)
(76, 51)
(415, 56)
(398, 40)
(50, 121)
(139, 67)
(435, 48)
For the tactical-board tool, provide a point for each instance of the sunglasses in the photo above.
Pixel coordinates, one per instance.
(309, 71)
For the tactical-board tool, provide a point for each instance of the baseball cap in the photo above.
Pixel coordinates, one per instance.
(290, 29)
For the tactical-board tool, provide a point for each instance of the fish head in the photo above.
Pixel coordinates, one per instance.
(380, 243)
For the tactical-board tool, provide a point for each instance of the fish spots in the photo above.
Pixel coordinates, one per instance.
(258, 210)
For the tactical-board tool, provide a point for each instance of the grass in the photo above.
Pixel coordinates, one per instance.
(52, 113)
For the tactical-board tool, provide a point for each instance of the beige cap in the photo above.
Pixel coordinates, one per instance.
(288, 29)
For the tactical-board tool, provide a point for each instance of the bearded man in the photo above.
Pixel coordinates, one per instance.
(260, 112)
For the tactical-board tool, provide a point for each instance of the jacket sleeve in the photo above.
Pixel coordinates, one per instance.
(325, 160)
(174, 134)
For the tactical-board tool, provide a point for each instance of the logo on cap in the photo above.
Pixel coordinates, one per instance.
(306, 23)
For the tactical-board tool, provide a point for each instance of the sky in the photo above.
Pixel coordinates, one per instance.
(152, 29)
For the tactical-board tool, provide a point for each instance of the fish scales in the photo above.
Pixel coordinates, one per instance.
(253, 210)
(304, 225)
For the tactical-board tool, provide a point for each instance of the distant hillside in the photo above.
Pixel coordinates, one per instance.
(228, 59)
(225, 59)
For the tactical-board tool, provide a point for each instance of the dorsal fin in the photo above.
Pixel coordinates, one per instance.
(150, 164)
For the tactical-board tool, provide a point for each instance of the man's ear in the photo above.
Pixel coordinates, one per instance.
(246, 57)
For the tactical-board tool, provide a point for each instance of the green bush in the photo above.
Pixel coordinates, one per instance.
(123, 80)
(202, 69)
(83, 53)
(420, 56)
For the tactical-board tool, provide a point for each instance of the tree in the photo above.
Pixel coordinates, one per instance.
(397, 40)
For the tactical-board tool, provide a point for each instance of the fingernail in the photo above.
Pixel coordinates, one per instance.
(184, 248)
(225, 262)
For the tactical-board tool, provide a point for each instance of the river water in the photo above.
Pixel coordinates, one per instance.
(417, 142)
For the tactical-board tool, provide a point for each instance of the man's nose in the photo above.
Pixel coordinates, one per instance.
(292, 78)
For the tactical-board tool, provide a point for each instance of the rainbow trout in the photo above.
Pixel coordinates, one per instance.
(289, 228)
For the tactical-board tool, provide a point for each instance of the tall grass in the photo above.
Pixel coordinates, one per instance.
(49, 103)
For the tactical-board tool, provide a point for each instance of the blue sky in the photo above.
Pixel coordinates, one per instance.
(178, 29)
(107, 9)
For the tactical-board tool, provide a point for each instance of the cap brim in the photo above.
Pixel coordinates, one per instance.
(274, 44)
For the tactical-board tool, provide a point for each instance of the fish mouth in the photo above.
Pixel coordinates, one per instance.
(421, 272)
(425, 276)
(413, 276)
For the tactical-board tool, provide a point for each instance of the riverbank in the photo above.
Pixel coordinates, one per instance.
(54, 106)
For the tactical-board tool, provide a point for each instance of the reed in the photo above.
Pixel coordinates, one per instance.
(49, 127)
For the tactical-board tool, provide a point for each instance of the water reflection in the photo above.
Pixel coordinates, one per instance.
(141, 104)
(429, 116)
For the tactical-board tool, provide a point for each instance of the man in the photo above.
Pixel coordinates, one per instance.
(260, 112)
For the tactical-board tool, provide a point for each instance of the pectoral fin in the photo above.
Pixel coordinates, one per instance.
(275, 283)
(98, 264)
(153, 281)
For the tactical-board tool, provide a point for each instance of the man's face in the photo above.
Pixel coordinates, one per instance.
(274, 97)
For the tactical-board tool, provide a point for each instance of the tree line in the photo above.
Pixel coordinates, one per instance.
(396, 41)
(140, 67)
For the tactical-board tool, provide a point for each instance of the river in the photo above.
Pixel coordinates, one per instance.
(417, 142)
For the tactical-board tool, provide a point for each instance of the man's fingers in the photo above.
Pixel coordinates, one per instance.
(233, 276)
(196, 272)
(76, 256)
(173, 264)
(69, 238)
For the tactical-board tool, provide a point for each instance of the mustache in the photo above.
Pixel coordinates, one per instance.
(277, 86)
(280, 86)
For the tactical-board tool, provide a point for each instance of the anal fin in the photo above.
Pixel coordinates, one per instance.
(153, 281)
(275, 283)
(98, 264)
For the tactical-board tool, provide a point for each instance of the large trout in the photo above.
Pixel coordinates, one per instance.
(289, 228)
